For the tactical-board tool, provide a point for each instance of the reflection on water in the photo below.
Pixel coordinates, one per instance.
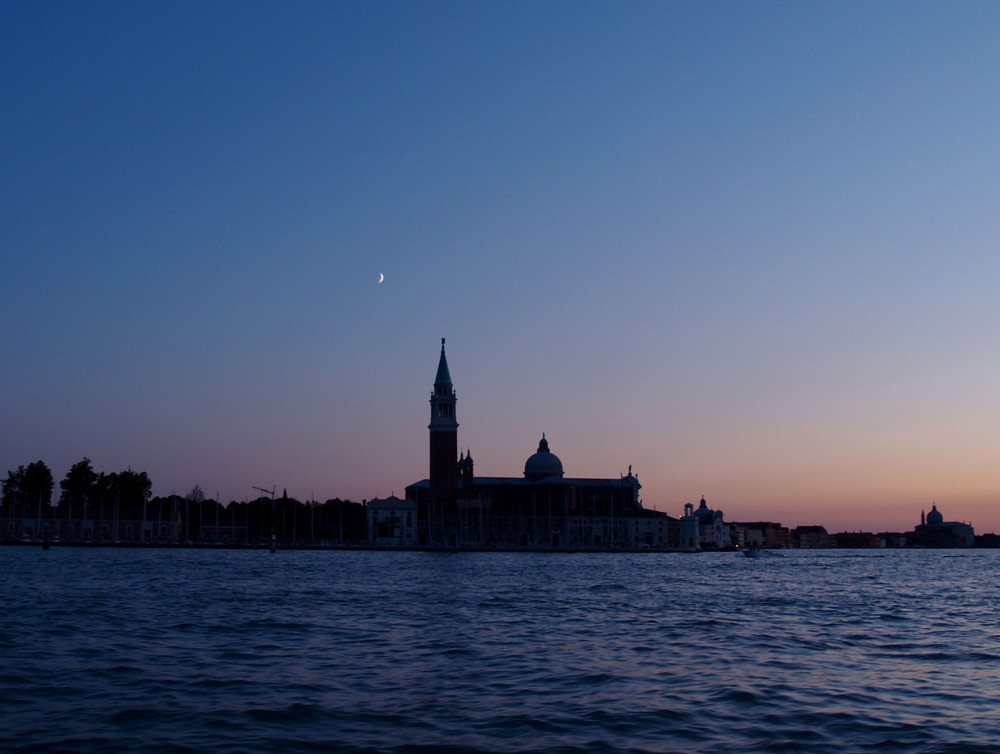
(157, 650)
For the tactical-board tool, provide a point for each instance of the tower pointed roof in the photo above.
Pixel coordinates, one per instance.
(443, 375)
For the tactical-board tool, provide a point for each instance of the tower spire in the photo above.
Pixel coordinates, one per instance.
(443, 448)
(443, 377)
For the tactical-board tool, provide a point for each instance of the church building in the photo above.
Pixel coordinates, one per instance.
(934, 531)
(543, 508)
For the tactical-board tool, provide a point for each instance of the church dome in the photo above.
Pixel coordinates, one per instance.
(542, 464)
(704, 513)
(934, 517)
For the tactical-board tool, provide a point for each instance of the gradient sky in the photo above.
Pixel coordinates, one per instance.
(749, 248)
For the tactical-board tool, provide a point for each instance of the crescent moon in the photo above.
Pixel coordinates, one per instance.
(381, 277)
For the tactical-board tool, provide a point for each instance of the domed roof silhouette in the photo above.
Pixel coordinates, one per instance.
(543, 464)
(934, 517)
(704, 513)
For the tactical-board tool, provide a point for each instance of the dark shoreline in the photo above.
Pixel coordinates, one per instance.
(266, 547)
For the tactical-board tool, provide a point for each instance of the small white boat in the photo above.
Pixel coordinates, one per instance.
(752, 551)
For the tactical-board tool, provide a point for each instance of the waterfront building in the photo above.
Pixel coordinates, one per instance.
(713, 531)
(857, 539)
(749, 535)
(690, 533)
(811, 537)
(991, 540)
(892, 539)
(767, 534)
(392, 521)
(543, 508)
(934, 531)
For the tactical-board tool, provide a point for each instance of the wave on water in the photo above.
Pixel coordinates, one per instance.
(235, 651)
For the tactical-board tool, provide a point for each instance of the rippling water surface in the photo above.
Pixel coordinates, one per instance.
(234, 650)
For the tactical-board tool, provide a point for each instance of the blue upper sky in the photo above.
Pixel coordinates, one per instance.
(749, 248)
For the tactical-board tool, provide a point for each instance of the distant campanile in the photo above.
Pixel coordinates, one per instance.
(444, 440)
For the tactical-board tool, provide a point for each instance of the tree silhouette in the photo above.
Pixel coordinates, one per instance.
(78, 485)
(133, 488)
(31, 484)
(31, 488)
(13, 487)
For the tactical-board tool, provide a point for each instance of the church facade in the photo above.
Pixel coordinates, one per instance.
(542, 509)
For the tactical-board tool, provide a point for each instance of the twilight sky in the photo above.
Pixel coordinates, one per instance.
(752, 249)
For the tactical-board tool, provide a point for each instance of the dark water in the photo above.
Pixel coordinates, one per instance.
(232, 651)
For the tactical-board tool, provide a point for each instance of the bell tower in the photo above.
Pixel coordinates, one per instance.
(444, 441)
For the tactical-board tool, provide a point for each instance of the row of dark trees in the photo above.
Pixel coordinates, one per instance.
(33, 485)
(120, 506)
